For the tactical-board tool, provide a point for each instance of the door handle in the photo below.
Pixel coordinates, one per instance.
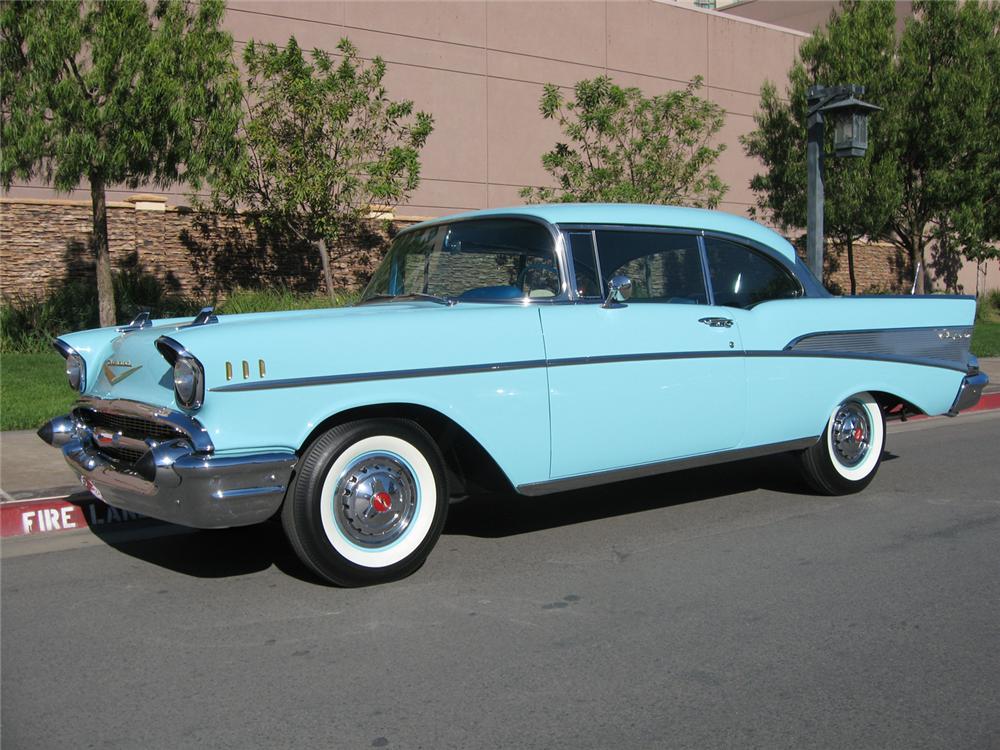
(717, 322)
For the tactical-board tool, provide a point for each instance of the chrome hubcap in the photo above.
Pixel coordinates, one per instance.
(375, 499)
(851, 434)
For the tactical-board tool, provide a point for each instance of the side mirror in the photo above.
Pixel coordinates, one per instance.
(619, 290)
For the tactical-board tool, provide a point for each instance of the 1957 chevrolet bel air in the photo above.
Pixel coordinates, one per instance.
(489, 344)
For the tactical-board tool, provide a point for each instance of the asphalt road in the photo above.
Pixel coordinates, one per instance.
(722, 607)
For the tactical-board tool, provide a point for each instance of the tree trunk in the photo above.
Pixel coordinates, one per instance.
(850, 265)
(324, 256)
(919, 269)
(102, 254)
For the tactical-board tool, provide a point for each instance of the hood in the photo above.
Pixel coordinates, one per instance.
(262, 347)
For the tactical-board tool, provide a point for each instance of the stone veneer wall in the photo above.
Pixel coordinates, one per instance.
(879, 268)
(45, 243)
(203, 256)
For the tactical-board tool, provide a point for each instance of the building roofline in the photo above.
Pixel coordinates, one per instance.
(720, 12)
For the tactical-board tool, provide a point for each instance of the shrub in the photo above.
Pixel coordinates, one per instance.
(278, 298)
(29, 325)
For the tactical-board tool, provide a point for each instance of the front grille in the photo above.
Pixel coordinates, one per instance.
(131, 427)
(131, 431)
(120, 454)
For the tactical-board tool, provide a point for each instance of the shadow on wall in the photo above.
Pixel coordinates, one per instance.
(228, 252)
(946, 262)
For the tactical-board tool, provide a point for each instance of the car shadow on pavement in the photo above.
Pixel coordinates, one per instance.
(210, 553)
(508, 514)
(246, 550)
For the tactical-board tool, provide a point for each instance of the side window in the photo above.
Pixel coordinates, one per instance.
(588, 282)
(663, 267)
(742, 277)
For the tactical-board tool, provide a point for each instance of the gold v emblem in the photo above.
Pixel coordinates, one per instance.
(114, 378)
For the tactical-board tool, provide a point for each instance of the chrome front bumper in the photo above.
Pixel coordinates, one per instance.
(970, 391)
(176, 482)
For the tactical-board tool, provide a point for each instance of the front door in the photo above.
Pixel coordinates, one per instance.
(659, 378)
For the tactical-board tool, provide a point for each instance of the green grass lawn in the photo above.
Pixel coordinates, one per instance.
(986, 339)
(33, 388)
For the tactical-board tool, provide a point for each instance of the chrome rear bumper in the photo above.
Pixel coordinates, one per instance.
(174, 481)
(970, 391)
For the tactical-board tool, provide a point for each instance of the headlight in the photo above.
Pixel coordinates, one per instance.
(189, 382)
(76, 372)
(189, 375)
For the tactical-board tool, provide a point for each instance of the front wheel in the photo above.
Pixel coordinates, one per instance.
(368, 503)
(847, 456)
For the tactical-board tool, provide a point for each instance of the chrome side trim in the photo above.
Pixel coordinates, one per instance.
(894, 358)
(362, 377)
(200, 440)
(661, 467)
(431, 372)
(942, 343)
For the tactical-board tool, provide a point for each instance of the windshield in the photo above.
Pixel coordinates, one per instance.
(485, 260)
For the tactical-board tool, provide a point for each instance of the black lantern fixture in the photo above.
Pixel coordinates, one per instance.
(850, 125)
(849, 116)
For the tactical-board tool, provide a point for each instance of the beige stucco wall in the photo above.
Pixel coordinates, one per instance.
(479, 68)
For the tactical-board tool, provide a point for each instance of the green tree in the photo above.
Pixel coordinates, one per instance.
(930, 177)
(113, 93)
(861, 194)
(319, 144)
(624, 147)
(945, 135)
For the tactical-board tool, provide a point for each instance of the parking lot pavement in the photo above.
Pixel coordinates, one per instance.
(30, 468)
(700, 609)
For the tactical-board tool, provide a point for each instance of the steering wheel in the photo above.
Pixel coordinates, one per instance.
(536, 267)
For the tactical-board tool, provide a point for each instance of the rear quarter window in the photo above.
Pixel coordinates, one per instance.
(742, 277)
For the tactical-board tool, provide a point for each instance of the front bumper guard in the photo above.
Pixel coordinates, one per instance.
(174, 482)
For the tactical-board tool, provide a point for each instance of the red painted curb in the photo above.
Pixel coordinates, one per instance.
(49, 515)
(987, 402)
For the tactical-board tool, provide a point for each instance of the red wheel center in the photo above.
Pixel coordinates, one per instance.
(858, 434)
(382, 502)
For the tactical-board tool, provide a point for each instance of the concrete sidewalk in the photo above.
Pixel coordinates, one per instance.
(30, 468)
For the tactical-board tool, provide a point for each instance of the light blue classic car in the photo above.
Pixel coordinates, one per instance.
(486, 347)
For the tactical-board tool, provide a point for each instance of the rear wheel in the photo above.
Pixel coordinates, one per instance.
(848, 455)
(368, 503)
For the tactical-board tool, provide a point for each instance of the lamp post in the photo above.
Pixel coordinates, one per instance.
(850, 138)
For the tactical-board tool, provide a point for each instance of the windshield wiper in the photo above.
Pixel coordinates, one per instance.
(447, 302)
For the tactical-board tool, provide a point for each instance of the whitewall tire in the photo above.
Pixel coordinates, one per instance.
(848, 455)
(368, 503)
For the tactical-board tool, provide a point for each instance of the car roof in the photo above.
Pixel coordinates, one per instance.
(677, 217)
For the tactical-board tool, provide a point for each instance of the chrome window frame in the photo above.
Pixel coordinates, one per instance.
(756, 248)
(567, 292)
(807, 284)
(595, 228)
